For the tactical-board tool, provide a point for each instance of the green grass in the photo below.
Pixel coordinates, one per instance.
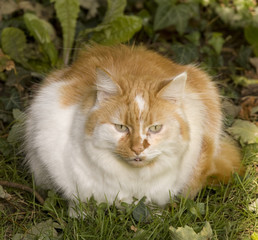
(224, 207)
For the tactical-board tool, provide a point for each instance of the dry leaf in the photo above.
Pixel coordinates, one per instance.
(6, 63)
(133, 228)
(248, 108)
(254, 62)
(253, 207)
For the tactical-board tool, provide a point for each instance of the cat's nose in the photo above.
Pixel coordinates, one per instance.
(137, 149)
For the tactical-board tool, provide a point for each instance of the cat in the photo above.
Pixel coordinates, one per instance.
(123, 122)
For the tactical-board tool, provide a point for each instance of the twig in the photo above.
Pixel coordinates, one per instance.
(24, 188)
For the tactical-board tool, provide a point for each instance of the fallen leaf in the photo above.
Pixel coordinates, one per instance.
(249, 108)
(4, 194)
(5, 62)
(185, 233)
(133, 228)
(253, 207)
(250, 90)
(244, 131)
(254, 62)
(44, 230)
(230, 109)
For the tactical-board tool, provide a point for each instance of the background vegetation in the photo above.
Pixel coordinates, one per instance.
(220, 36)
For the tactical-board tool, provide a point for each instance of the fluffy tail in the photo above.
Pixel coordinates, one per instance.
(226, 162)
(214, 168)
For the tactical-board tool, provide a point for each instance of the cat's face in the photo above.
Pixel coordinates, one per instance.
(139, 126)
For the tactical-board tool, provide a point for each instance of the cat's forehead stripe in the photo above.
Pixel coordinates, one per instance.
(140, 102)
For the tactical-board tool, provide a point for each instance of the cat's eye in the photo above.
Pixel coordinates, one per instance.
(121, 128)
(155, 128)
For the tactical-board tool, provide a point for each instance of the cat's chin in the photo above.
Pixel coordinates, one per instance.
(139, 162)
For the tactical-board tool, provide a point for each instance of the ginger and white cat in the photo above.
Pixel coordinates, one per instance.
(125, 122)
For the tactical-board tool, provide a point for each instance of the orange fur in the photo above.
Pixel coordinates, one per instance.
(128, 64)
(213, 169)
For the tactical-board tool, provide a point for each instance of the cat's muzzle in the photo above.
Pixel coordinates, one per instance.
(137, 159)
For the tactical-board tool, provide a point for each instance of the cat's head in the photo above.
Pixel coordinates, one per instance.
(136, 124)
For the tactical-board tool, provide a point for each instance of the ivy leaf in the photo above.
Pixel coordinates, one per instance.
(244, 131)
(12, 101)
(13, 42)
(185, 53)
(116, 27)
(141, 212)
(115, 9)
(120, 30)
(44, 230)
(40, 30)
(187, 232)
(67, 12)
(168, 14)
(216, 41)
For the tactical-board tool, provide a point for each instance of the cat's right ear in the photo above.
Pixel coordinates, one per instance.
(105, 86)
(174, 88)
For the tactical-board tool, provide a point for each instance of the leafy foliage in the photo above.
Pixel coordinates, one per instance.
(220, 36)
(16, 47)
(41, 30)
(169, 13)
(67, 13)
(188, 233)
(244, 131)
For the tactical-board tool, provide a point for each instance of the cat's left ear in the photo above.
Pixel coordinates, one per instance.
(105, 86)
(174, 89)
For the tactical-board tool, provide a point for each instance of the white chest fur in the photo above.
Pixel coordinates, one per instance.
(61, 156)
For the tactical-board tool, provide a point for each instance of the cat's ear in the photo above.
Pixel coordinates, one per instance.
(174, 89)
(105, 86)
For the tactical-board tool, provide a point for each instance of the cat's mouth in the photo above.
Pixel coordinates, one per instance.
(138, 162)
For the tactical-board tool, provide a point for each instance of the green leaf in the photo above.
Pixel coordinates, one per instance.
(5, 147)
(120, 30)
(16, 133)
(185, 233)
(67, 12)
(254, 236)
(141, 212)
(243, 81)
(12, 101)
(41, 30)
(44, 230)
(198, 209)
(251, 35)
(185, 53)
(244, 131)
(169, 14)
(50, 201)
(194, 38)
(13, 42)
(216, 41)
(115, 9)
